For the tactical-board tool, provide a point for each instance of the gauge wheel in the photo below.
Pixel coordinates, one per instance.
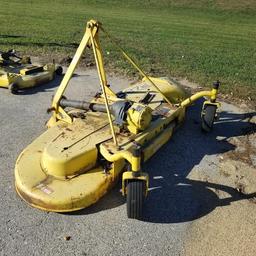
(135, 198)
(59, 70)
(13, 88)
(208, 117)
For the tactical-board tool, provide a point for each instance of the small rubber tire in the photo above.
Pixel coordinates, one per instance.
(14, 88)
(135, 198)
(208, 117)
(59, 71)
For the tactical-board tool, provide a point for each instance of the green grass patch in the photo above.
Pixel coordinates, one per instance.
(201, 40)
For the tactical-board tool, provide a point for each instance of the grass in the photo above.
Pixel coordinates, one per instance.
(202, 40)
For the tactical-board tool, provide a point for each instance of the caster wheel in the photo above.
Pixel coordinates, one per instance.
(59, 71)
(135, 198)
(13, 88)
(208, 117)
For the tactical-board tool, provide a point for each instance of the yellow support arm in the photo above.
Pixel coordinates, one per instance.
(136, 66)
(103, 81)
(135, 161)
(210, 94)
(90, 38)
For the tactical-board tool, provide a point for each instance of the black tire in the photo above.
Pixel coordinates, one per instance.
(13, 88)
(208, 117)
(59, 71)
(135, 198)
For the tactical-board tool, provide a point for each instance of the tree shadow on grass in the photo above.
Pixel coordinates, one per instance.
(11, 36)
(33, 44)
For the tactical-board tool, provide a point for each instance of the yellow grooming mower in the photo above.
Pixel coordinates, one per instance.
(19, 73)
(89, 144)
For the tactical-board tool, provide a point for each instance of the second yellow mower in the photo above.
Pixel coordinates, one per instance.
(18, 73)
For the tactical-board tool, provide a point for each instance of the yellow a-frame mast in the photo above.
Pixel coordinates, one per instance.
(90, 38)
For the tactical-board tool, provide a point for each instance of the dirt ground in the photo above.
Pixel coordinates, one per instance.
(230, 228)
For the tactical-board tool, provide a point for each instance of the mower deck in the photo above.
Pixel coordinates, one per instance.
(26, 81)
(70, 152)
(70, 190)
(89, 144)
